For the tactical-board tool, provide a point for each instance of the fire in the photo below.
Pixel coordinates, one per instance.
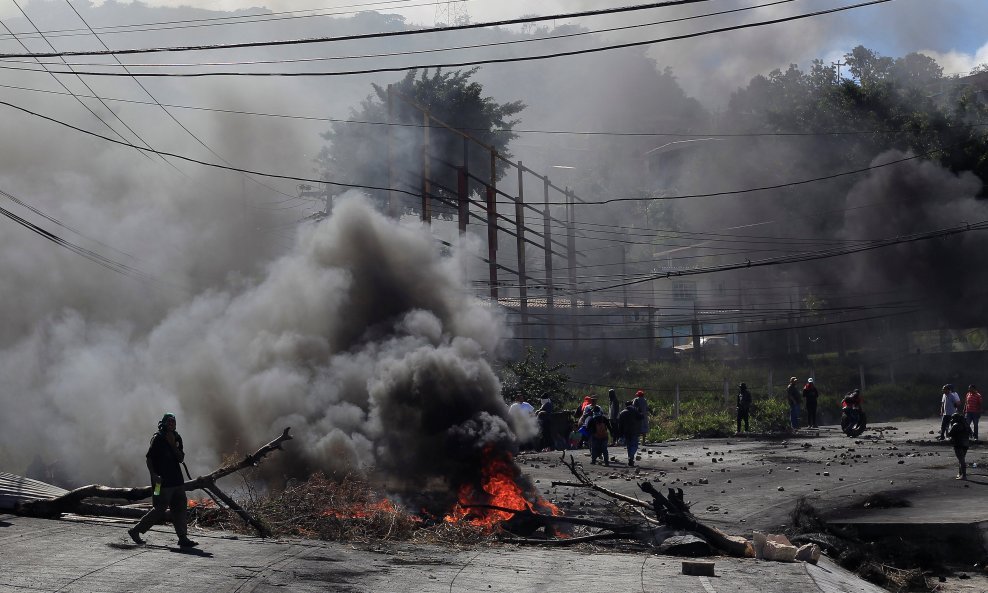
(498, 487)
(362, 510)
(201, 503)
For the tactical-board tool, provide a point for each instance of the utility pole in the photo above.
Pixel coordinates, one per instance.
(391, 153)
(520, 232)
(549, 305)
(838, 64)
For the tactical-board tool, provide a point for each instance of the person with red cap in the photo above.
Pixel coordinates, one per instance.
(641, 404)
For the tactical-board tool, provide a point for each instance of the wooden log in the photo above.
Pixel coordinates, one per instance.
(69, 502)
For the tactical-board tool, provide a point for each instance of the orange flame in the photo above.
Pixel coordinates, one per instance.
(362, 510)
(204, 503)
(498, 488)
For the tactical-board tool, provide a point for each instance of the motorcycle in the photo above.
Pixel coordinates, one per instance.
(853, 420)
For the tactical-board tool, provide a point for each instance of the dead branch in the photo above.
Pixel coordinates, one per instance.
(70, 502)
(584, 481)
(563, 542)
(673, 511)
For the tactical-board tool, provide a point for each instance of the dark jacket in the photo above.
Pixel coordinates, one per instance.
(630, 421)
(165, 459)
(959, 432)
(744, 399)
(810, 392)
(793, 394)
(593, 423)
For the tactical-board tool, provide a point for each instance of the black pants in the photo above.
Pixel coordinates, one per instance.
(174, 498)
(961, 453)
(810, 412)
(944, 424)
(743, 415)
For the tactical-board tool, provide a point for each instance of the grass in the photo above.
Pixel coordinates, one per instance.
(704, 411)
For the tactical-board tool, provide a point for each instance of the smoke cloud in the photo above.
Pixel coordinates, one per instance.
(361, 338)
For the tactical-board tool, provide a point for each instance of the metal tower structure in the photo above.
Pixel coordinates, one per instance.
(451, 12)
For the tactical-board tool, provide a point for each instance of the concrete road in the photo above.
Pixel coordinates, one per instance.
(87, 556)
(753, 484)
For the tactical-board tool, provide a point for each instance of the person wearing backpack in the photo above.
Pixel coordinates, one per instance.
(959, 434)
(600, 432)
(164, 457)
(630, 421)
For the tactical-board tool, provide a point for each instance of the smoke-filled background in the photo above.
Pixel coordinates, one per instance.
(229, 305)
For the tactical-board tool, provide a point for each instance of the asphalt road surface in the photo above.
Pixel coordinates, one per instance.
(737, 484)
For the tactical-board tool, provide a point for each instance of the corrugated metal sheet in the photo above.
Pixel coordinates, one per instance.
(14, 489)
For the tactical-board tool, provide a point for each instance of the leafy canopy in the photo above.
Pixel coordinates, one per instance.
(358, 153)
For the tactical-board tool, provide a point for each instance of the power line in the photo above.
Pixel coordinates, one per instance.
(955, 230)
(428, 66)
(437, 49)
(359, 36)
(90, 89)
(244, 19)
(168, 113)
(76, 97)
(505, 130)
(206, 163)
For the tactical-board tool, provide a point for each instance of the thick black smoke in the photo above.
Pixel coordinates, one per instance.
(361, 338)
(941, 275)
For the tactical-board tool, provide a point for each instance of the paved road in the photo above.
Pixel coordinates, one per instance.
(88, 556)
(742, 492)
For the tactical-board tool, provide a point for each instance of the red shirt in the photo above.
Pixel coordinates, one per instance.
(972, 402)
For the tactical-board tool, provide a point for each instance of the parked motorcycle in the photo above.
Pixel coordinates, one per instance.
(853, 420)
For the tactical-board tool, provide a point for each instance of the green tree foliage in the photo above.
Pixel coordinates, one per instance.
(358, 154)
(887, 103)
(534, 378)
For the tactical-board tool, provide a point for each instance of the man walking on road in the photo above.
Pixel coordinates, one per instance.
(631, 424)
(164, 457)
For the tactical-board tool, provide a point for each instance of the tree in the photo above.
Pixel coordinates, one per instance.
(358, 153)
(534, 378)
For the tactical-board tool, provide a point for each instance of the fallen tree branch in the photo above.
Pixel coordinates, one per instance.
(563, 542)
(584, 481)
(71, 502)
(673, 511)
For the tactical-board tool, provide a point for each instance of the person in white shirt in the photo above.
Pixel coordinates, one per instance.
(523, 421)
(949, 403)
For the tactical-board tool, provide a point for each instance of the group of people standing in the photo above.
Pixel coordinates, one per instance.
(795, 396)
(623, 426)
(959, 422)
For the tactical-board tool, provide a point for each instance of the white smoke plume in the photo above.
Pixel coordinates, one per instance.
(361, 338)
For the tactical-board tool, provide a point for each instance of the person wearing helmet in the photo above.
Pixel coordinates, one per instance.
(744, 406)
(810, 394)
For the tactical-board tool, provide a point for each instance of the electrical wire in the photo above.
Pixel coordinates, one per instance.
(360, 36)
(245, 19)
(500, 130)
(427, 50)
(436, 66)
(169, 113)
